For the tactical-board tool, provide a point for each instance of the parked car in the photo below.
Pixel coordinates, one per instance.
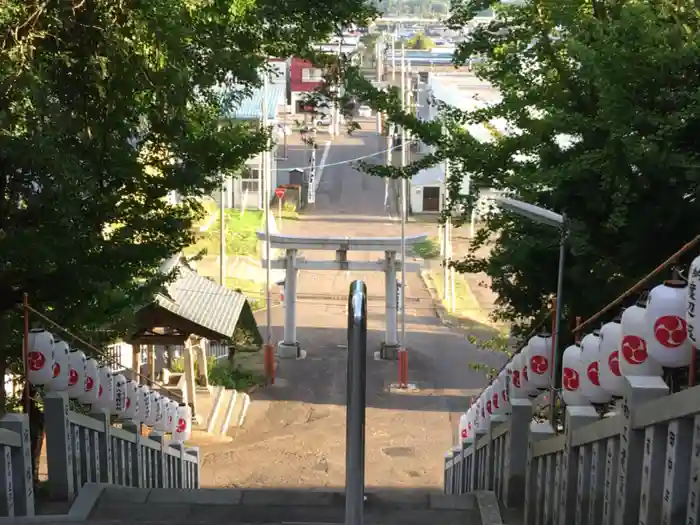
(364, 112)
(324, 120)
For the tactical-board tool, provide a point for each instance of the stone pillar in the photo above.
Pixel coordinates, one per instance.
(202, 368)
(289, 348)
(390, 346)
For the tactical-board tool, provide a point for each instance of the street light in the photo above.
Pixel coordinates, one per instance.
(556, 220)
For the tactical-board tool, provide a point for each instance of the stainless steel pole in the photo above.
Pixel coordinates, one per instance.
(557, 320)
(356, 399)
(404, 190)
(266, 210)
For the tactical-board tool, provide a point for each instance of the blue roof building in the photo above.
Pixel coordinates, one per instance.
(251, 107)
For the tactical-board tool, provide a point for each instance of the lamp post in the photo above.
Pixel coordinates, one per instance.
(558, 221)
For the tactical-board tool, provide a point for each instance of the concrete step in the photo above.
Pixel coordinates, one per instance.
(279, 506)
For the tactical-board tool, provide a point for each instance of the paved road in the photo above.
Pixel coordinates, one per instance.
(295, 431)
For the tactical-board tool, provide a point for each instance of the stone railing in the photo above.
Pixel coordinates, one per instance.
(639, 464)
(82, 449)
(16, 488)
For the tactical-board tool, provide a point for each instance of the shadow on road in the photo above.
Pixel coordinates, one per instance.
(439, 367)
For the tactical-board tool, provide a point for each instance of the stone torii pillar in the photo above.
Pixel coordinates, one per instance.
(289, 347)
(390, 346)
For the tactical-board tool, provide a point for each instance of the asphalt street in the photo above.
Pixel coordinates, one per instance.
(295, 431)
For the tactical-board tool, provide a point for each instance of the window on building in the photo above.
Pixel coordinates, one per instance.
(250, 180)
(311, 74)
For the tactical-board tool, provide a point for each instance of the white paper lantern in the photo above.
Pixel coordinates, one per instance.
(105, 392)
(488, 402)
(590, 380)
(131, 409)
(525, 383)
(61, 367)
(515, 388)
(611, 379)
(119, 404)
(471, 421)
(183, 427)
(76, 380)
(172, 416)
(40, 357)
(667, 331)
(503, 380)
(572, 371)
(463, 432)
(482, 420)
(162, 413)
(92, 382)
(155, 409)
(635, 359)
(144, 404)
(539, 350)
(692, 313)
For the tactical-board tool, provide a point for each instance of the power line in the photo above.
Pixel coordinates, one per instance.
(348, 161)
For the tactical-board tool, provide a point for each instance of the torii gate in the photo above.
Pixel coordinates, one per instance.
(291, 263)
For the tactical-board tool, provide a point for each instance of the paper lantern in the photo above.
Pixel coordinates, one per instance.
(635, 359)
(499, 395)
(183, 428)
(572, 372)
(119, 404)
(61, 367)
(131, 408)
(105, 391)
(611, 379)
(463, 432)
(155, 409)
(482, 421)
(162, 413)
(515, 388)
(525, 383)
(76, 375)
(172, 416)
(471, 421)
(539, 351)
(590, 380)
(144, 412)
(91, 384)
(40, 357)
(667, 331)
(692, 312)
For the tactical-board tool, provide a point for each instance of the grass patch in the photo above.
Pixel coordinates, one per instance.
(241, 235)
(467, 309)
(428, 249)
(241, 232)
(221, 373)
(254, 290)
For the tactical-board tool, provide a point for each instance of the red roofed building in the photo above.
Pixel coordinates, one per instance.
(304, 78)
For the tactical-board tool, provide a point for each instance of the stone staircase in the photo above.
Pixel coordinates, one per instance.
(221, 409)
(99, 504)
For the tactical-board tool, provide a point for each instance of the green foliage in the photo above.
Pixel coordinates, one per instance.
(420, 41)
(602, 103)
(427, 249)
(108, 107)
(222, 374)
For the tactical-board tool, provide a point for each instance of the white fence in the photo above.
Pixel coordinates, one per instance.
(640, 465)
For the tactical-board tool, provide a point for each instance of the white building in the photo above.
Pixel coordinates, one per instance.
(460, 90)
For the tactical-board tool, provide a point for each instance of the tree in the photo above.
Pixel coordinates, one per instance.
(106, 108)
(601, 101)
(420, 41)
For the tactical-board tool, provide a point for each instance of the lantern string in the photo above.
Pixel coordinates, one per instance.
(673, 259)
(110, 359)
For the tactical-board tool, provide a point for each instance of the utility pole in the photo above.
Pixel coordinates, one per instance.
(222, 233)
(336, 106)
(393, 57)
(404, 184)
(389, 158)
(266, 175)
(445, 245)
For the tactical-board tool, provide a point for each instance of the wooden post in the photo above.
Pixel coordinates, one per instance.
(151, 363)
(136, 362)
(190, 387)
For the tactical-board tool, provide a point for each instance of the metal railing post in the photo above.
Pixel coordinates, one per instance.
(356, 399)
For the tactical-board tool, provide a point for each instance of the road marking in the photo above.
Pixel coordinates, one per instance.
(324, 158)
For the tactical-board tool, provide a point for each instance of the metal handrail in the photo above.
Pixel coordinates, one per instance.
(356, 399)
